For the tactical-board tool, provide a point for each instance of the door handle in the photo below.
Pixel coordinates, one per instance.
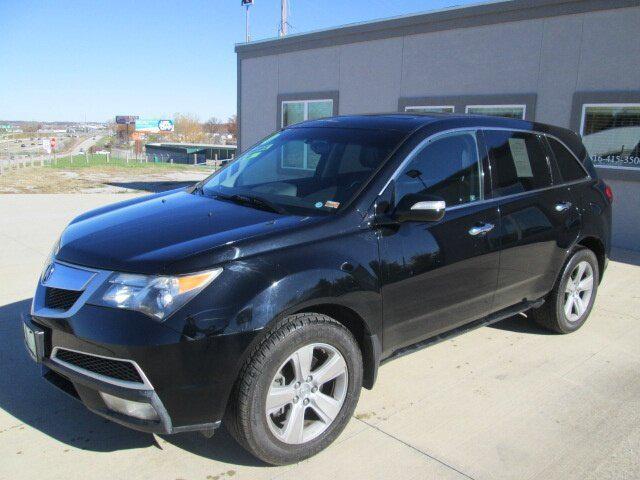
(561, 207)
(481, 229)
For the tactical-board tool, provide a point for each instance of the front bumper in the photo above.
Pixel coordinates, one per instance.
(86, 386)
(184, 368)
(187, 382)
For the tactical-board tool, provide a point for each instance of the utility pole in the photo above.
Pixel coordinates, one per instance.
(284, 17)
(247, 36)
(246, 4)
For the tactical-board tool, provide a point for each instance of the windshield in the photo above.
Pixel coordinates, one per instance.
(304, 170)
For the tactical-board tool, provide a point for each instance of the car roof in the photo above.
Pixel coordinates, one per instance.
(410, 122)
(384, 121)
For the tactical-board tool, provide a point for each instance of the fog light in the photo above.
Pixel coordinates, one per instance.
(141, 410)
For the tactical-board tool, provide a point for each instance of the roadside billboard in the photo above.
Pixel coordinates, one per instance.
(126, 119)
(154, 125)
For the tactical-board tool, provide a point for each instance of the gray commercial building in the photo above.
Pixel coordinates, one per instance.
(573, 63)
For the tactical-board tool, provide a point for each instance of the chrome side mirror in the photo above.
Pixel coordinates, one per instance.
(420, 208)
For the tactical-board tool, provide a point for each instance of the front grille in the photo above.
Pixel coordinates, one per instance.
(118, 369)
(59, 299)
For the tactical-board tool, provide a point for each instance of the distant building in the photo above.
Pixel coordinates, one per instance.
(189, 153)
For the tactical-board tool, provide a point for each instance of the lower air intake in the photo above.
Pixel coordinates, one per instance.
(117, 369)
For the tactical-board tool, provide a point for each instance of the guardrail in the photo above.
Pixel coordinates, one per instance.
(115, 157)
(8, 164)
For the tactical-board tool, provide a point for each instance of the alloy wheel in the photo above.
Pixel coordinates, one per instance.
(578, 291)
(307, 393)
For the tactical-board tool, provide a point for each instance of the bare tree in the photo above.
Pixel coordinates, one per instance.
(213, 125)
(232, 126)
(188, 128)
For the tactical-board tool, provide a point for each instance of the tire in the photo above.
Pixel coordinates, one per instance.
(271, 368)
(553, 313)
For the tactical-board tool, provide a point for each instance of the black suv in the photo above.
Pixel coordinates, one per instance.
(266, 296)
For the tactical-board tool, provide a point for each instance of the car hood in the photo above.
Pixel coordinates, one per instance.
(175, 232)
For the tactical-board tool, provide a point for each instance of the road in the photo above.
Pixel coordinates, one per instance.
(504, 402)
(36, 153)
(85, 144)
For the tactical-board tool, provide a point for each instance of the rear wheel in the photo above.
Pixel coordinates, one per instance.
(297, 391)
(569, 304)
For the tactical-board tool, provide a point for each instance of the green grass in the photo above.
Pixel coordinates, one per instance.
(94, 160)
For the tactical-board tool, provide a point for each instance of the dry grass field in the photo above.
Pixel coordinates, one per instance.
(100, 177)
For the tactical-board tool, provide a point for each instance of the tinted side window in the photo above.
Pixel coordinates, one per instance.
(567, 163)
(519, 162)
(447, 167)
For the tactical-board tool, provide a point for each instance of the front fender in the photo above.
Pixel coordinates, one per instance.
(253, 293)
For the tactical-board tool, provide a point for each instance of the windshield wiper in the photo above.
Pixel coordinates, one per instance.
(252, 201)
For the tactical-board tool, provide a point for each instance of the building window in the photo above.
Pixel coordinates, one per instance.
(297, 155)
(510, 111)
(430, 109)
(611, 134)
(297, 111)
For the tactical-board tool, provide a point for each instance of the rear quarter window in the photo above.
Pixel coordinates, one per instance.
(570, 169)
(519, 162)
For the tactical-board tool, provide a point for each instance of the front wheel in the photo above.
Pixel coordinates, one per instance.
(297, 391)
(568, 305)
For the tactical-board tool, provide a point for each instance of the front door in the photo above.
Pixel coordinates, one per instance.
(440, 275)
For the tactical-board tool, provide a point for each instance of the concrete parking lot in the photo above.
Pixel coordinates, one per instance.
(507, 402)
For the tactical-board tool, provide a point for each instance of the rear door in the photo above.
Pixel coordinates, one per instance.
(538, 216)
(438, 275)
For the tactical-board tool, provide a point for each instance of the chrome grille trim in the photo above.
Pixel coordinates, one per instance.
(145, 385)
(95, 279)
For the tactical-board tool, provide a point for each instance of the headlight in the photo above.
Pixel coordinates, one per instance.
(156, 296)
(50, 258)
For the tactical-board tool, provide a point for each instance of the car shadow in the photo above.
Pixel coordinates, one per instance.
(222, 447)
(154, 187)
(33, 402)
(520, 324)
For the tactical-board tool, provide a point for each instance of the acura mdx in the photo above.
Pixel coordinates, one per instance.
(266, 296)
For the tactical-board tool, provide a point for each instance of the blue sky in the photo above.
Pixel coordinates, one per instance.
(64, 60)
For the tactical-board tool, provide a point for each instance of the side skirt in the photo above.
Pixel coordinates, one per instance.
(468, 327)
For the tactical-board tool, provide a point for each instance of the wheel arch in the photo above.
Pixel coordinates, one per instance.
(597, 247)
(369, 343)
